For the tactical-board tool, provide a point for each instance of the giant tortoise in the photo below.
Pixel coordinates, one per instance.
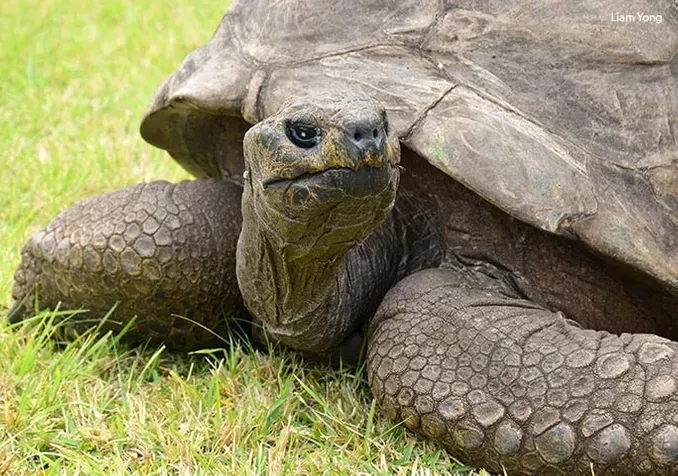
(516, 300)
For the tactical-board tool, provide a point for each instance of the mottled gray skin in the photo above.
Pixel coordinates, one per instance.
(335, 242)
(503, 382)
(156, 249)
(303, 263)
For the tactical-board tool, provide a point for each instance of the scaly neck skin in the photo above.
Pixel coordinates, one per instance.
(312, 291)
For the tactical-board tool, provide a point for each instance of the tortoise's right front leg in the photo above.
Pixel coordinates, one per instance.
(162, 252)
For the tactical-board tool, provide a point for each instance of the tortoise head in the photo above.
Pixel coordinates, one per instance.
(326, 164)
(320, 177)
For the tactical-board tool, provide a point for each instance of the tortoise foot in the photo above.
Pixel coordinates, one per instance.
(507, 385)
(163, 253)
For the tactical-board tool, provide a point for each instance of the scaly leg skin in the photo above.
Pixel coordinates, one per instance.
(157, 250)
(503, 383)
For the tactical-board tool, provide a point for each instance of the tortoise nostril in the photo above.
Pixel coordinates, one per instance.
(366, 135)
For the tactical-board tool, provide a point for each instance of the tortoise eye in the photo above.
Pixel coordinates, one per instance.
(302, 135)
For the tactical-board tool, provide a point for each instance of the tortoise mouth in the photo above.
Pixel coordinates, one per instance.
(338, 180)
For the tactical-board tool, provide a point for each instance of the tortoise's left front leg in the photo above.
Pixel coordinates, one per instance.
(163, 253)
(503, 383)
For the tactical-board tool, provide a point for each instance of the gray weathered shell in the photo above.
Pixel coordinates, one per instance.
(554, 111)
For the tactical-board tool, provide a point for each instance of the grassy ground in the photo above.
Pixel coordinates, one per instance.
(75, 77)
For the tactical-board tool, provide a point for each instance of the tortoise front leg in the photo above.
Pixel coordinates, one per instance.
(503, 383)
(157, 250)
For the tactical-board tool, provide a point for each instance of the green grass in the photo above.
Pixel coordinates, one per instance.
(75, 78)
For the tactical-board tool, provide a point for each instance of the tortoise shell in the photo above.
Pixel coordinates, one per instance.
(559, 113)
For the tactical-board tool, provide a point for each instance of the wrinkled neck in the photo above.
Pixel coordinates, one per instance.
(312, 289)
